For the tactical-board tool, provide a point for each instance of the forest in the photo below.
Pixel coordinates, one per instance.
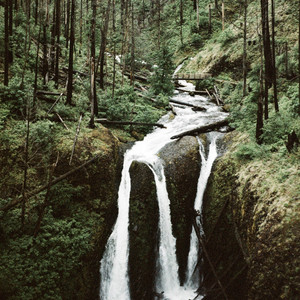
(82, 80)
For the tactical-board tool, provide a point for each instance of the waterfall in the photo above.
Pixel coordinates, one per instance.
(192, 276)
(114, 283)
(167, 280)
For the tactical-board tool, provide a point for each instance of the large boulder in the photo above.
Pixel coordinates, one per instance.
(143, 227)
(182, 168)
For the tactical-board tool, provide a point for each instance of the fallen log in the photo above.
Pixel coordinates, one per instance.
(47, 99)
(199, 108)
(105, 121)
(191, 93)
(137, 77)
(202, 129)
(44, 187)
(49, 93)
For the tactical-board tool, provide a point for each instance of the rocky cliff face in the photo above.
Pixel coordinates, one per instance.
(253, 239)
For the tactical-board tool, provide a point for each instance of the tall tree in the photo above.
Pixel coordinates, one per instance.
(71, 54)
(6, 42)
(267, 53)
(260, 108)
(274, 73)
(245, 49)
(57, 33)
(101, 58)
(67, 23)
(114, 51)
(45, 45)
(92, 65)
(181, 20)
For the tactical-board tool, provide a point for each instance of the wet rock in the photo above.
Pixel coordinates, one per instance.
(143, 227)
(182, 168)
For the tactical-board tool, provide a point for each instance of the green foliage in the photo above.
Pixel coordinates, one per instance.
(225, 37)
(121, 107)
(250, 151)
(47, 262)
(161, 81)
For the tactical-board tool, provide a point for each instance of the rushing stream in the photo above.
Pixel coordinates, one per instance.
(114, 264)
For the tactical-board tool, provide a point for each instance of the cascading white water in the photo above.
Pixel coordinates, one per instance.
(192, 276)
(114, 264)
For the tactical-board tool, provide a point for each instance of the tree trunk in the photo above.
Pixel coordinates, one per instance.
(132, 47)
(245, 50)
(267, 53)
(81, 29)
(198, 20)
(36, 69)
(101, 58)
(274, 59)
(260, 108)
(57, 42)
(209, 19)
(181, 21)
(223, 15)
(114, 52)
(71, 53)
(92, 64)
(6, 42)
(202, 129)
(67, 25)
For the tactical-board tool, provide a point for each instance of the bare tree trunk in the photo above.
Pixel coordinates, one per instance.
(36, 11)
(71, 54)
(245, 50)
(132, 47)
(114, 32)
(67, 23)
(101, 58)
(267, 53)
(223, 15)
(181, 21)
(260, 108)
(6, 43)
(158, 23)
(36, 69)
(209, 19)
(198, 20)
(92, 64)
(81, 29)
(52, 48)
(57, 42)
(274, 59)
(45, 45)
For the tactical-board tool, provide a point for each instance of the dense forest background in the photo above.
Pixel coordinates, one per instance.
(67, 65)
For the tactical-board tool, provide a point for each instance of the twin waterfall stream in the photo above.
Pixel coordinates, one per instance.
(114, 264)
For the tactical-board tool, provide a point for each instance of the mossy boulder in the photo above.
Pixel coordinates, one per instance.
(252, 230)
(143, 230)
(182, 169)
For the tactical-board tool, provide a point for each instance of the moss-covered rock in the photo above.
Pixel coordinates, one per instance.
(62, 261)
(182, 168)
(252, 227)
(143, 232)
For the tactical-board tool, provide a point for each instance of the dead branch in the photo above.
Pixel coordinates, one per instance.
(202, 129)
(18, 200)
(105, 121)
